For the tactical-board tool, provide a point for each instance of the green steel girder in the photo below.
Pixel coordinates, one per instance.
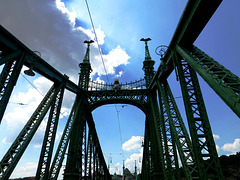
(10, 45)
(134, 97)
(73, 166)
(199, 126)
(146, 160)
(157, 150)
(221, 80)
(49, 138)
(196, 15)
(103, 170)
(62, 147)
(13, 155)
(9, 57)
(82, 149)
(8, 79)
(94, 159)
(89, 155)
(169, 138)
(179, 131)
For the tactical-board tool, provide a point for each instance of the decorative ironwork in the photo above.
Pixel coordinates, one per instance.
(99, 86)
(161, 50)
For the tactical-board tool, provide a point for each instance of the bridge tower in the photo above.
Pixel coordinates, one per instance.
(85, 67)
(148, 63)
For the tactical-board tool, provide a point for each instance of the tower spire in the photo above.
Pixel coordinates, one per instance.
(86, 57)
(85, 68)
(147, 54)
(135, 173)
(148, 63)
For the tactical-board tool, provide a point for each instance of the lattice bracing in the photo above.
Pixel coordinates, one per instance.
(221, 80)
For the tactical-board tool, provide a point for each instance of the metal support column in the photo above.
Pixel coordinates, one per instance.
(179, 131)
(203, 144)
(74, 159)
(156, 140)
(89, 155)
(146, 160)
(170, 153)
(61, 150)
(8, 79)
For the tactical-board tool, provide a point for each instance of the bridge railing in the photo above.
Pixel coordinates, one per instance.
(98, 86)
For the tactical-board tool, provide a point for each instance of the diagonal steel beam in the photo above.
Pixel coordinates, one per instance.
(221, 80)
(10, 44)
(15, 152)
(190, 25)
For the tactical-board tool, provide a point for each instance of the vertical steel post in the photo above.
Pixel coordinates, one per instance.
(203, 143)
(8, 79)
(156, 139)
(61, 150)
(146, 154)
(170, 153)
(73, 170)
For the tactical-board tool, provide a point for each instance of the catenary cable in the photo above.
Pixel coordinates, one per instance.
(105, 72)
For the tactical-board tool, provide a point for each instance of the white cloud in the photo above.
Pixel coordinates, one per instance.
(111, 60)
(42, 84)
(26, 170)
(119, 74)
(118, 166)
(71, 14)
(218, 149)
(216, 137)
(58, 40)
(17, 115)
(134, 158)
(90, 33)
(134, 143)
(116, 169)
(232, 147)
(4, 141)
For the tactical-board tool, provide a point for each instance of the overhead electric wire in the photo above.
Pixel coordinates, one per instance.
(31, 84)
(120, 132)
(37, 91)
(99, 49)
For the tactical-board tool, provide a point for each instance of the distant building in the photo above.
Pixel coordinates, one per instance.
(128, 175)
(116, 177)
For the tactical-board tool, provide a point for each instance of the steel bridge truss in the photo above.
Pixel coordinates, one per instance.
(170, 150)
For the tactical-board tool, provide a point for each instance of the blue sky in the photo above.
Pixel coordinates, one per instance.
(57, 30)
